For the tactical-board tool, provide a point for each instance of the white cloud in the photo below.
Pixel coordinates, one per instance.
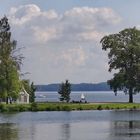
(81, 24)
(23, 14)
(53, 40)
(43, 35)
(73, 56)
(93, 16)
(91, 35)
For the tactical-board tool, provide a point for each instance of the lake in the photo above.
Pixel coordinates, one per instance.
(92, 96)
(74, 125)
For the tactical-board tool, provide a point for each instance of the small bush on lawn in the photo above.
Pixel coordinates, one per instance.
(99, 107)
(34, 107)
(3, 108)
(66, 108)
(80, 108)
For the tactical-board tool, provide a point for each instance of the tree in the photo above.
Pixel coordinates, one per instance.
(32, 93)
(30, 88)
(9, 63)
(124, 56)
(64, 91)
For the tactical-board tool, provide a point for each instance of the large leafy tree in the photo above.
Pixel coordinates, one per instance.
(124, 56)
(9, 63)
(64, 91)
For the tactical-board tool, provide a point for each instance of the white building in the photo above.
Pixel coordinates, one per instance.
(23, 97)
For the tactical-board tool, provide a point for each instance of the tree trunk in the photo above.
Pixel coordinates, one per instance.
(7, 100)
(130, 95)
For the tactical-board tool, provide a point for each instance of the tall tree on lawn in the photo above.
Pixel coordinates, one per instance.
(9, 63)
(64, 91)
(124, 56)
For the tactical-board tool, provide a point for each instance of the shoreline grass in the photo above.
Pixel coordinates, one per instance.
(67, 106)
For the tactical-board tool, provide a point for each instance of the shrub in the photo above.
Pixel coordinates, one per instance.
(107, 107)
(3, 108)
(134, 107)
(80, 108)
(51, 108)
(118, 107)
(23, 108)
(13, 108)
(58, 108)
(48, 108)
(66, 108)
(99, 107)
(34, 107)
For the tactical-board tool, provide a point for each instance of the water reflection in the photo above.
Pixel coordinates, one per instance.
(125, 130)
(26, 131)
(75, 125)
(65, 131)
(8, 131)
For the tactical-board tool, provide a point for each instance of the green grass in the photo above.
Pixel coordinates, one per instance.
(66, 106)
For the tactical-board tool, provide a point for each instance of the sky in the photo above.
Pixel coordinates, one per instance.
(60, 39)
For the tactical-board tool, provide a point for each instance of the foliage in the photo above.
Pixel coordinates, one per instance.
(67, 106)
(9, 63)
(64, 91)
(124, 56)
(34, 107)
(26, 84)
(32, 93)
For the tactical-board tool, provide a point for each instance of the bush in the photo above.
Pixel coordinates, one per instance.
(80, 108)
(52, 108)
(48, 108)
(13, 108)
(107, 107)
(66, 108)
(134, 107)
(117, 107)
(58, 108)
(3, 108)
(34, 107)
(99, 107)
(23, 108)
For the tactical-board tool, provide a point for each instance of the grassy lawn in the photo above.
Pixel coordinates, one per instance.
(66, 106)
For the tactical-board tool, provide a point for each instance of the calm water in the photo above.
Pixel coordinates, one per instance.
(98, 96)
(75, 125)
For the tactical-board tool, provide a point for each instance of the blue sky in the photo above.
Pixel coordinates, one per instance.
(61, 37)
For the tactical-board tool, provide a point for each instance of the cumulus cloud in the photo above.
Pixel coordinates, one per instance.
(92, 16)
(44, 35)
(23, 14)
(67, 41)
(82, 23)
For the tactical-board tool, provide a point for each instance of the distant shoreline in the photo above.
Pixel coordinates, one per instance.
(103, 86)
